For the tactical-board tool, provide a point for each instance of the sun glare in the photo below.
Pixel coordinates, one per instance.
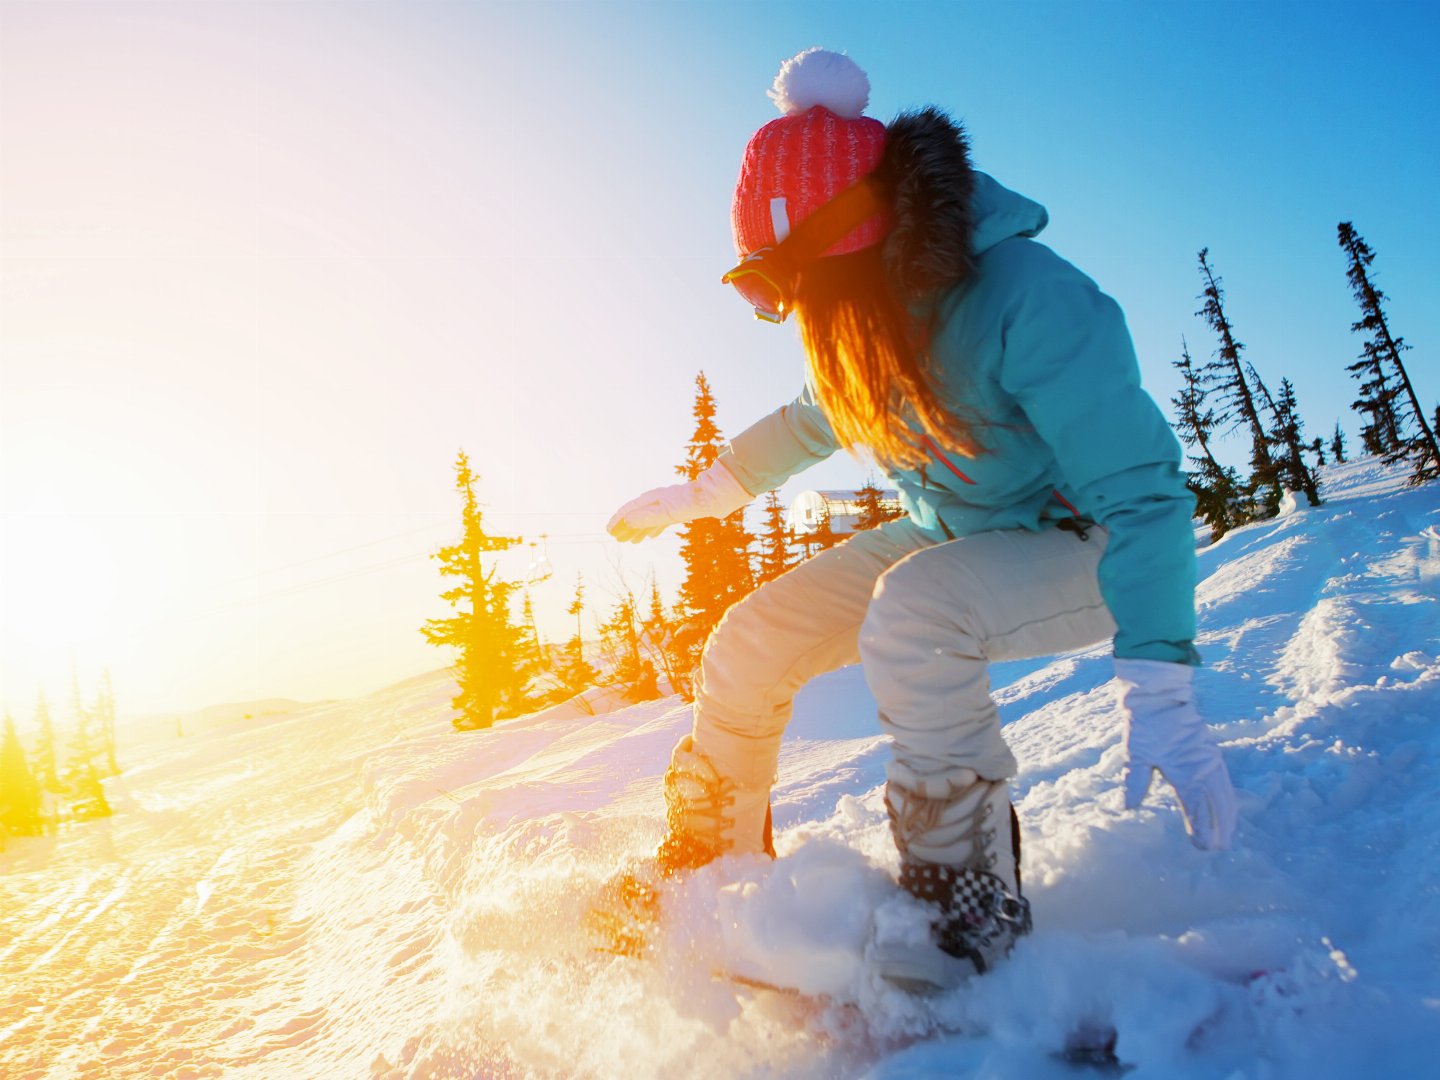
(58, 583)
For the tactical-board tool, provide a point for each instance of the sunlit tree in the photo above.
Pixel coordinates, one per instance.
(575, 673)
(83, 769)
(105, 726)
(20, 795)
(657, 628)
(82, 774)
(874, 508)
(777, 555)
(823, 536)
(481, 631)
(530, 661)
(716, 553)
(47, 772)
(621, 642)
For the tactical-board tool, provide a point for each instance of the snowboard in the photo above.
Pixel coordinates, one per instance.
(1090, 1047)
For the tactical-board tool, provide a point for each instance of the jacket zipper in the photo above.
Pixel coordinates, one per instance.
(1074, 523)
(929, 444)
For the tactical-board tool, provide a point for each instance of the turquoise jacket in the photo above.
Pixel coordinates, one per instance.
(1032, 347)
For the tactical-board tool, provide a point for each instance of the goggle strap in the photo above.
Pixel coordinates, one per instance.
(829, 224)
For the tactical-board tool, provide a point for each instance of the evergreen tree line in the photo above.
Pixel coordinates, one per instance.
(1227, 394)
(503, 668)
(50, 781)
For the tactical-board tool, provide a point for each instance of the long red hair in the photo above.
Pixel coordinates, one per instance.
(867, 355)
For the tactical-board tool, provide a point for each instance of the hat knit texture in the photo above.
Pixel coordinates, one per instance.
(820, 147)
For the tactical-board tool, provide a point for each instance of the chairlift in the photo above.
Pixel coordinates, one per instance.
(540, 568)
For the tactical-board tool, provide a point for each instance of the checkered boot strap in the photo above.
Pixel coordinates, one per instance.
(980, 919)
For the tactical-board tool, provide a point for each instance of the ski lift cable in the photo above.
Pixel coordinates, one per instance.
(560, 538)
(354, 572)
(346, 550)
(262, 596)
(361, 571)
(546, 513)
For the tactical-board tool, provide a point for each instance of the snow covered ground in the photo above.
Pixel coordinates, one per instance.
(355, 890)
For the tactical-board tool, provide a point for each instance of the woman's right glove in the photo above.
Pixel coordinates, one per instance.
(1165, 733)
(714, 493)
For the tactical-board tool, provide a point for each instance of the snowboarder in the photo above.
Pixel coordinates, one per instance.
(1046, 510)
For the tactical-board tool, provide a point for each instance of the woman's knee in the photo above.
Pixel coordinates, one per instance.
(748, 661)
(744, 624)
(911, 599)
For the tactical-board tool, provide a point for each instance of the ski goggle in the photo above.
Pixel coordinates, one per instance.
(765, 278)
(762, 284)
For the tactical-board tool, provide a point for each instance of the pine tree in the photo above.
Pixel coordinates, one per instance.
(776, 553)
(576, 674)
(1233, 382)
(1337, 444)
(81, 776)
(823, 536)
(716, 553)
(657, 629)
(1216, 487)
(105, 724)
(20, 795)
(1286, 436)
(481, 630)
(87, 794)
(47, 772)
(529, 648)
(620, 638)
(1380, 434)
(875, 509)
(1390, 407)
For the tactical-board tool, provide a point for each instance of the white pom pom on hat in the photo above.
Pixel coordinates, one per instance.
(820, 77)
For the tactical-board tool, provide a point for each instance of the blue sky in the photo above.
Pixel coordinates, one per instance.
(267, 266)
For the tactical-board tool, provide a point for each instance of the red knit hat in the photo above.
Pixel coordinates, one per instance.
(818, 148)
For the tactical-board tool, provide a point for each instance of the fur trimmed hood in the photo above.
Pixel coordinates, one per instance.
(946, 214)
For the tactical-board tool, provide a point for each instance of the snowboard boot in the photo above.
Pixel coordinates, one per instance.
(959, 854)
(707, 816)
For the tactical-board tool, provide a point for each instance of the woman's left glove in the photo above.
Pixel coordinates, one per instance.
(714, 493)
(1165, 732)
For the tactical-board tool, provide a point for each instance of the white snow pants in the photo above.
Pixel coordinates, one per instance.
(925, 618)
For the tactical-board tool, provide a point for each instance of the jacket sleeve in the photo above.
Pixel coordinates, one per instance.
(1069, 362)
(776, 447)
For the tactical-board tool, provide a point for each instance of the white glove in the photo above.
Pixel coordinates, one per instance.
(1165, 732)
(714, 493)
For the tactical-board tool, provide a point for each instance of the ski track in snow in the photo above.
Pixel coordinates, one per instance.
(354, 890)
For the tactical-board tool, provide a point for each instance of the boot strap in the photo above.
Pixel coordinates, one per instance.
(977, 910)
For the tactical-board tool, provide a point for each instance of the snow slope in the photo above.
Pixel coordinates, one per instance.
(355, 890)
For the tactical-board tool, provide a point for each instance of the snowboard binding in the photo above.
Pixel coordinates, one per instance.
(975, 923)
